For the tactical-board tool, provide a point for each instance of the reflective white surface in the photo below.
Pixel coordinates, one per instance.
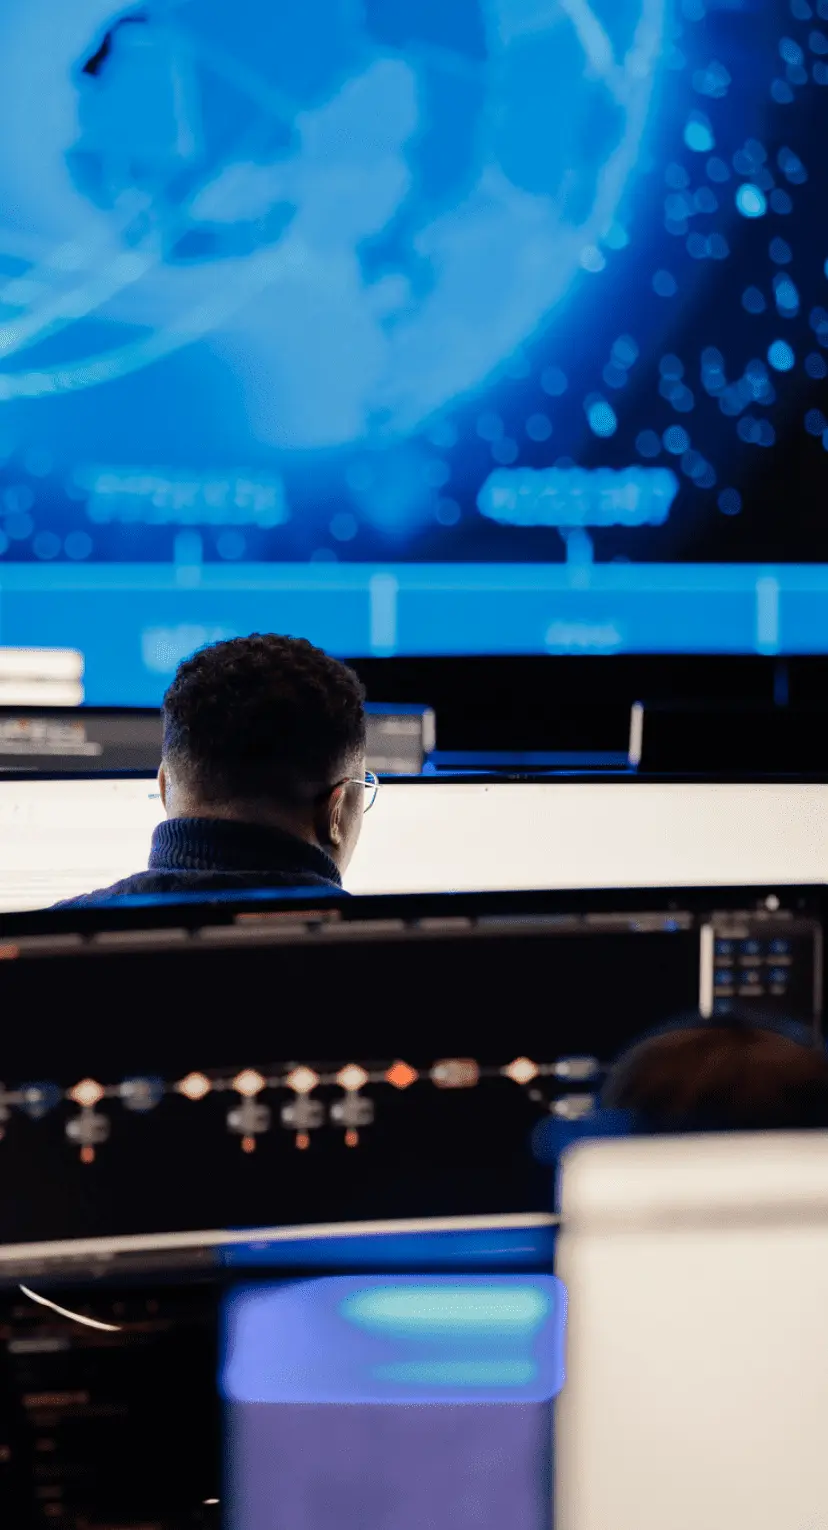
(452, 836)
(60, 838)
(697, 1342)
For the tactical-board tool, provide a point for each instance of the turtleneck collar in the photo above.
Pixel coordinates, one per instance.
(221, 844)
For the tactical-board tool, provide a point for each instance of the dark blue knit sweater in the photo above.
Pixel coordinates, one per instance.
(217, 855)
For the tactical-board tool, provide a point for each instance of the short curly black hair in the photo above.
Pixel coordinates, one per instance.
(262, 718)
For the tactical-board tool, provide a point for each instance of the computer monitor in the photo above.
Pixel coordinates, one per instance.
(351, 1379)
(698, 1341)
(275, 1233)
(62, 837)
(271, 1072)
(488, 834)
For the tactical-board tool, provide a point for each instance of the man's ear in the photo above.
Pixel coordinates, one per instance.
(334, 807)
(327, 820)
(162, 785)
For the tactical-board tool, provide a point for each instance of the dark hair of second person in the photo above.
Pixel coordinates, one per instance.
(732, 1074)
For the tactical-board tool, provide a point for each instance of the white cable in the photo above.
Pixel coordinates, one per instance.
(76, 1317)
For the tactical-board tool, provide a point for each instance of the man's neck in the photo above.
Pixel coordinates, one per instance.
(252, 814)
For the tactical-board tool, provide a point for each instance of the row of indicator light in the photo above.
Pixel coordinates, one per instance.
(250, 1118)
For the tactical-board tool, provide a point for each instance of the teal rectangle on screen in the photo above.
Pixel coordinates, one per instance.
(395, 1339)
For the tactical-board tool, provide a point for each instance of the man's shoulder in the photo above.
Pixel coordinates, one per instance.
(141, 882)
(149, 882)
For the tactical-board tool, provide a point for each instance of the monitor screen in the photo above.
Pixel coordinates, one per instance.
(270, 1073)
(276, 1209)
(59, 838)
(471, 836)
(62, 837)
(491, 326)
(362, 1071)
(393, 1393)
(433, 1399)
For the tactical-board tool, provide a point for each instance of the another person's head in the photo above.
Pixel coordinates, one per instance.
(735, 1074)
(267, 730)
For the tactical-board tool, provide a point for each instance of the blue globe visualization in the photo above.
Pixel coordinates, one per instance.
(361, 208)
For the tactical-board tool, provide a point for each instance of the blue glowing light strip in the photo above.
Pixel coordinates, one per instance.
(135, 621)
